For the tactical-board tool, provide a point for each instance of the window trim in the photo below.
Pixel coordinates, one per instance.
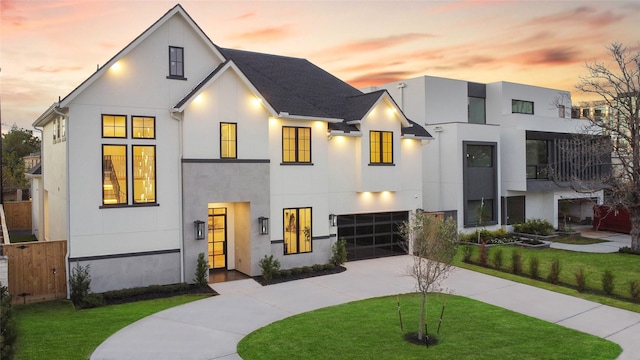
(126, 128)
(235, 140)
(523, 101)
(299, 230)
(380, 149)
(133, 134)
(133, 178)
(126, 183)
(297, 146)
(176, 76)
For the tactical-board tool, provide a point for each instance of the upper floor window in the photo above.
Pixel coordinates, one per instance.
(228, 144)
(297, 230)
(480, 155)
(143, 127)
(176, 62)
(380, 147)
(296, 144)
(144, 174)
(114, 174)
(521, 107)
(114, 126)
(537, 159)
(561, 111)
(476, 110)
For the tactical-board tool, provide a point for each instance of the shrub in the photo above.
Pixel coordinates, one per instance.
(338, 253)
(607, 282)
(285, 273)
(140, 293)
(269, 266)
(497, 259)
(516, 262)
(329, 266)
(581, 280)
(80, 283)
(202, 272)
(307, 269)
(317, 267)
(634, 290)
(466, 254)
(535, 227)
(296, 271)
(483, 255)
(534, 264)
(554, 271)
(628, 250)
(497, 236)
(8, 330)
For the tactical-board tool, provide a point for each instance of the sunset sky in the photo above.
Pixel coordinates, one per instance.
(47, 48)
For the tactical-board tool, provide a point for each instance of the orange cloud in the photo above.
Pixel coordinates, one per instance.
(46, 69)
(377, 78)
(582, 14)
(244, 16)
(265, 34)
(550, 56)
(377, 43)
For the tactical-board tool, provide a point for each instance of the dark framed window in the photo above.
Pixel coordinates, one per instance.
(380, 147)
(143, 127)
(521, 107)
(479, 212)
(513, 210)
(228, 143)
(296, 144)
(476, 110)
(537, 159)
(297, 230)
(114, 126)
(480, 155)
(561, 111)
(144, 174)
(114, 174)
(176, 62)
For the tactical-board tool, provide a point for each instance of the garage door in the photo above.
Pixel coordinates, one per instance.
(372, 235)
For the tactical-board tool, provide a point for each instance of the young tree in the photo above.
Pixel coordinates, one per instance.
(432, 243)
(616, 82)
(16, 144)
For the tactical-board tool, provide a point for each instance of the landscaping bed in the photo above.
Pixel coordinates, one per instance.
(299, 273)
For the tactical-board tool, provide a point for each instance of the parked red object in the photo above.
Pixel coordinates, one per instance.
(606, 218)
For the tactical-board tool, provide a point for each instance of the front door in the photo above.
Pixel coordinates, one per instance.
(217, 238)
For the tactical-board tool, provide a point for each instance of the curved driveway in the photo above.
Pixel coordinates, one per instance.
(211, 328)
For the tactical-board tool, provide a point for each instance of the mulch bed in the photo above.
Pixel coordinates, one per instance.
(335, 270)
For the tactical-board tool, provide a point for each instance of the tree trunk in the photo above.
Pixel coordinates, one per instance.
(635, 227)
(423, 313)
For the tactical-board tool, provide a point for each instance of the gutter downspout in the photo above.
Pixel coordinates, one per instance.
(66, 144)
(174, 115)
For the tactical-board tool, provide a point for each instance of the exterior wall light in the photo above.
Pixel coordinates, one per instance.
(199, 229)
(333, 220)
(263, 222)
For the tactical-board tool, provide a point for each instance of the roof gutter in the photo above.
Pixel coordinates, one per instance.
(286, 115)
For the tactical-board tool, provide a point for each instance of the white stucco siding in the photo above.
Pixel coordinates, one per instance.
(54, 166)
(101, 231)
(513, 154)
(141, 74)
(445, 100)
(227, 99)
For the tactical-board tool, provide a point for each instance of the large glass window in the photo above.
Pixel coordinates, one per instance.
(381, 147)
(537, 159)
(114, 126)
(480, 155)
(144, 174)
(296, 144)
(476, 111)
(479, 212)
(297, 230)
(176, 62)
(228, 145)
(143, 127)
(114, 174)
(521, 107)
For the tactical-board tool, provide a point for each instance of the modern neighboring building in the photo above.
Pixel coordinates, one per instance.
(501, 152)
(177, 147)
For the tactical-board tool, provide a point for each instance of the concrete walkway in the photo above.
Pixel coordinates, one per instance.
(211, 328)
(614, 241)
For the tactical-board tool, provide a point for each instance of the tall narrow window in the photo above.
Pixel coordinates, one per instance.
(144, 174)
(296, 144)
(537, 159)
(228, 145)
(521, 107)
(381, 147)
(143, 127)
(114, 126)
(297, 230)
(176, 62)
(114, 174)
(476, 110)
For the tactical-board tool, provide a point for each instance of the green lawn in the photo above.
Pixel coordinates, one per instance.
(577, 240)
(369, 329)
(55, 330)
(625, 267)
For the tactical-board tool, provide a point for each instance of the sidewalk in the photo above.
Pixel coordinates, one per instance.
(614, 241)
(211, 328)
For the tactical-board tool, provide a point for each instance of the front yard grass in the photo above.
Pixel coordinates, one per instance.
(369, 329)
(625, 267)
(56, 330)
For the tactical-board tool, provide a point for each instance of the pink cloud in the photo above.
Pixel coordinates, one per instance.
(48, 69)
(374, 43)
(582, 14)
(265, 34)
(246, 15)
(548, 56)
(377, 78)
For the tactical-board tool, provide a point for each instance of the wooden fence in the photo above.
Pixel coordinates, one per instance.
(37, 271)
(18, 215)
